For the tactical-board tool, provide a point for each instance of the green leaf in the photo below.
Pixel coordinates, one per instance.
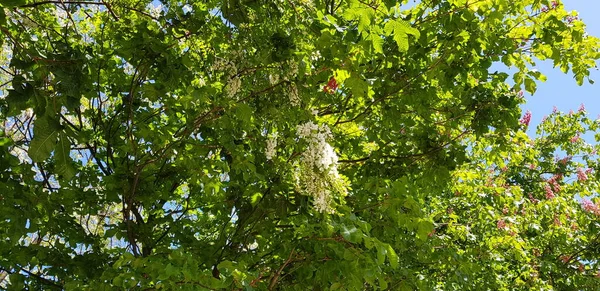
(530, 85)
(424, 227)
(64, 163)
(399, 30)
(45, 134)
(12, 3)
(376, 42)
(381, 253)
(392, 256)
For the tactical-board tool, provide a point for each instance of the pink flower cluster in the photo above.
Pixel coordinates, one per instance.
(564, 160)
(549, 193)
(526, 118)
(575, 138)
(590, 207)
(501, 224)
(582, 175)
(557, 221)
(533, 200)
(553, 186)
(554, 5)
(570, 19)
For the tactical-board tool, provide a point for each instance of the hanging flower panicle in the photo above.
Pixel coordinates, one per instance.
(270, 150)
(317, 175)
(526, 118)
(549, 192)
(501, 224)
(581, 175)
(553, 181)
(575, 138)
(590, 206)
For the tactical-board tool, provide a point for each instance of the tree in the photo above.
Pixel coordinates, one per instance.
(339, 145)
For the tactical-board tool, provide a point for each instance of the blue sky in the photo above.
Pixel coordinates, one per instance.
(560, 89)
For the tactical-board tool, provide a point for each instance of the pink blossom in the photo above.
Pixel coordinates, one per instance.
(554, 182)
(549, 192)
(570, 19)
(533, 200)
(564, 160)
(581, 175)
(581, 107)
(526, 118)
(431, 233)
(590, 206)
(501, 224)
(575, 138)
(554, 109)
(557, 221)
(588, 170)
(532, 166)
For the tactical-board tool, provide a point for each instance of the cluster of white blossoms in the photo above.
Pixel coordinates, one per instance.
(155, 10)
(317, 175)
(273, 79)
(293, 95)
(271, 145)
(233, 86)
(229, 67)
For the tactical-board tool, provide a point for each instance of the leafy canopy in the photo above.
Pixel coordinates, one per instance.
(293, 145)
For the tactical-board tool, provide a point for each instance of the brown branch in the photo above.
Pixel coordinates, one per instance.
(109, 8)
(42, 279)
(263, 91)
(278, 273)
(30, 5)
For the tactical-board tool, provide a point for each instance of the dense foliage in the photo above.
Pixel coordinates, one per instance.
(293, 145)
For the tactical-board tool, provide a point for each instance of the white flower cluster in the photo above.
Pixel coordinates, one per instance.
(273, 79)
(293, 95)
(155, 10)
(292, 70)
(271, 145)
(317, 173)
(233, 86)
